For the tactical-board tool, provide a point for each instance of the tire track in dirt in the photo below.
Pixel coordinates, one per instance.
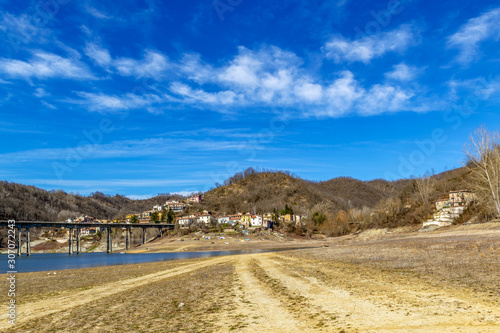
(258, 307)
(369, 308)
(64, 301)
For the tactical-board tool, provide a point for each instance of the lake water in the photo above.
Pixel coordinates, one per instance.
(59, 261)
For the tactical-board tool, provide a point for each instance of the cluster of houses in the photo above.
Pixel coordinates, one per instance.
(206, 218)
(245, 220)
(87, 219)
(450, 208)
(174, 205)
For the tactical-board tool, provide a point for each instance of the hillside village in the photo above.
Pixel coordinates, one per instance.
(448, 210)
(159, 213)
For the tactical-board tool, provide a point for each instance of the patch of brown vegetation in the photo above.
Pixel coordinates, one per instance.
(47, 246)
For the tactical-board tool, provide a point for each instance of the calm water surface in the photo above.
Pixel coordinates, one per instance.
(59, 261)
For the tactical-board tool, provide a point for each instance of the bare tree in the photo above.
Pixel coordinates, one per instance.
(483, 161)
(426, 186)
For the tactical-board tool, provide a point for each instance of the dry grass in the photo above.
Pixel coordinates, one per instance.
(186, 303)
(37, 285)
(463, 260)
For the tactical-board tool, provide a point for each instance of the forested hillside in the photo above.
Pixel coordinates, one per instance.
(260, 192)
(250, 191)
(23, 202)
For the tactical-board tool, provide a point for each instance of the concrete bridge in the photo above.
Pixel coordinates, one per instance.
(75, 231)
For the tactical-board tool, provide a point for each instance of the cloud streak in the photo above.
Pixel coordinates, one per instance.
(130, 149)
(340, 49)
(477, 30)
(44, 66)
(153, 65)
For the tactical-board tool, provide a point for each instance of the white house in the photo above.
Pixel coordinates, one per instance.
(175, 206)
(223, 220)
(256, 221)
(235, 219)
(185, 221)
(158, 208)
(206, 218)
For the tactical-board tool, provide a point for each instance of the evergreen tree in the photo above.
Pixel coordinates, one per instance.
(155, 218)
(170, 216)
(163, 214)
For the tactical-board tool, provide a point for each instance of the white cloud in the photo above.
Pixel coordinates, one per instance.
(268, 77)
(342, 93)
(273, 77)
(130, 149)
(309, 92)
(43, 66)
(195, 69)
(20, 29)
(242, 73)
(98, 54)
(346, 95)
(366, 48)
(114, 183)
(110, 103)
(50, 106)
(270, 67)
(475, 31)
(140, 196)
(480, 88)
(384, 98)
(153, 65)
(402, 72)
(199, 96)
(97, 13)
(40, 93)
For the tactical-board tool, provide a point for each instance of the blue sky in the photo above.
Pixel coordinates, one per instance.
(146, 97)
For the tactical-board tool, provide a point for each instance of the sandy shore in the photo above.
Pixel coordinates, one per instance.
(226, 242)
(444, 281)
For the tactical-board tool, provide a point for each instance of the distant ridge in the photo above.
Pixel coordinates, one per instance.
(248, 191)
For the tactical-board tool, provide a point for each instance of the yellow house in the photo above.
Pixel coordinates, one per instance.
(246, 220)
(286, 218)
(268, 216)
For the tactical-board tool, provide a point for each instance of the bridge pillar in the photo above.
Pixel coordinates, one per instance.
(78, 244)
(127, 238)
(109, 240)
(19, 242)
(28, 241)
(70, 241)
(143, 235)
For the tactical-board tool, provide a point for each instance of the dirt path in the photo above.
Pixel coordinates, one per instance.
(65, 301)
(263, 311)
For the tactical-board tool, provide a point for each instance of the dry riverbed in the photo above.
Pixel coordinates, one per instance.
(444, 281)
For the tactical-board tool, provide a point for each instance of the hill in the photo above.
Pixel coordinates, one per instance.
(253, 191)
(248, 191)
(24, 202)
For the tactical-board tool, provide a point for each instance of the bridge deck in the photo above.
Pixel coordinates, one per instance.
(30, 224)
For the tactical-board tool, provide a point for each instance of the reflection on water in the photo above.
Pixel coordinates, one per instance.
(59, 261)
